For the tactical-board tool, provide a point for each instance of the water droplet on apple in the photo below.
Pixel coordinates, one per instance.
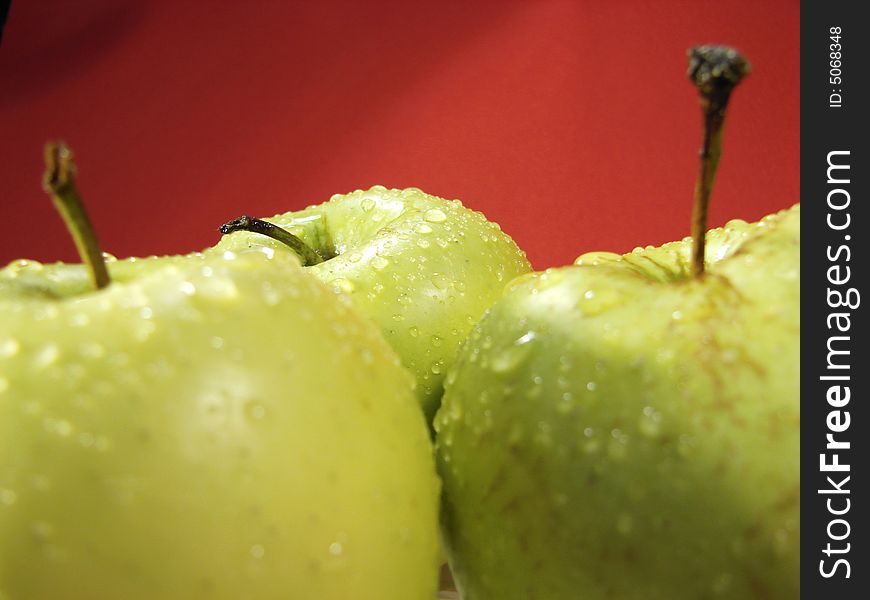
(435, 215)
(187, 288)
(436, 341)
(257, 551)
(343, 285)
(367, 205)
(46, 356)
(437, 367)
(413, 332)
(79, 320)
(423, 243)
(255, 410)
(336, 549)
(45, 313)
(9, 347)
(379, 262)
(423, 228)
(591, 386)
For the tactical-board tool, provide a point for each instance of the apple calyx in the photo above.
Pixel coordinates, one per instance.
(715, 71)
(306, 253)
(59, 182)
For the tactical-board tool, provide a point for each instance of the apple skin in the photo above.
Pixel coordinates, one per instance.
(619, 429)
(220, 427)
(423, 268)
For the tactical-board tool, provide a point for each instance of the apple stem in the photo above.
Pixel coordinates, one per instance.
(715, 71)
(59, 182)
(244, 223)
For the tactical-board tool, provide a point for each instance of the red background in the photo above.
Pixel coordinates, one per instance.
(570, 123)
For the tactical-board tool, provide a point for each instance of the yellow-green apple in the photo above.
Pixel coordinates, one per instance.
(205, 426)
(628, 427)
(422, 267)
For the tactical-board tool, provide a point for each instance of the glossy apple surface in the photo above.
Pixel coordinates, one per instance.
(206, 427)
(422, 267)
(622, 429)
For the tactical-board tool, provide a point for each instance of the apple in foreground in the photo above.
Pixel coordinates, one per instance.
(628, 427)
(423, 268)
(218, 426)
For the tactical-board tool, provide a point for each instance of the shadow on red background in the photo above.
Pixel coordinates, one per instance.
(568, 122)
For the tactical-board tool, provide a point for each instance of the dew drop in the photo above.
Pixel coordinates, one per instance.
(436, 341)
(336, 549)
(434, 215)
(566, 403)
(344, 285)
(423, 228)
(255, 410)
(440, 281)
(525, 339)
(271, 296)
(257, 551)
(379, 262)
(46, 357)
(187, 288)
(367, 205)
(9, 347)
(79, 320)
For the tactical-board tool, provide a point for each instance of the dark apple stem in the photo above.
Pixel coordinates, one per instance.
(244, 223)
(59, 182)
(715, 71)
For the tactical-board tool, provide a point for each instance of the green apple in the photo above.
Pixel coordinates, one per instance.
(206, 426)
(622, 429)
(628, 427)
(422, 267)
